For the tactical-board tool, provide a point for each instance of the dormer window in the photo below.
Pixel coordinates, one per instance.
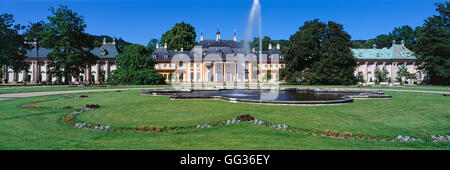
(360, 54)
(154, 56)
(104, 52)
(378, 54)
(166, 56)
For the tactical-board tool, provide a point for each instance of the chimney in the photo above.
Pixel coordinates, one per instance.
(393, 42)
(104, 40)
(165, 45)
(403, 43)
(157, 44)
(181, 49)
(201, 36)
(234, 38)
(114, 41)
(253, 50)
(278, 46)
(270, 46)
(374, 46)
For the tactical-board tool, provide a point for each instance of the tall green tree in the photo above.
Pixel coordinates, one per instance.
(182, 35)
(151, 45)
(433, 46)
(320, 53)
(12, 46)
(34, 31)
(405, 33)
(65, 35)
(135, 67)
(381, 75)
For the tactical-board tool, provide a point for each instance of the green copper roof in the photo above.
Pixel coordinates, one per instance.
(395, 52)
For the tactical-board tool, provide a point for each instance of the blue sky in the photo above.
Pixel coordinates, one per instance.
(138, 21)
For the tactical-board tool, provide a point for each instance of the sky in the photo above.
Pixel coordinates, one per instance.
(138, 21)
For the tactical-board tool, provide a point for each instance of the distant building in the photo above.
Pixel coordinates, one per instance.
(389, 58)
(38, 71)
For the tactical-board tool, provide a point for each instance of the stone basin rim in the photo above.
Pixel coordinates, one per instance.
(364, 93)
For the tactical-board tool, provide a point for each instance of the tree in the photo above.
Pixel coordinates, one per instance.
(135, 67)
(403, 72)
(181, 35)
(433, 46)
(120, 43)
(151, 45)
(320, 54)
(12, 48)
(34, 31)
(381, 75)
(381, 41)
(360, 77)
(405, 33)
(65, 35)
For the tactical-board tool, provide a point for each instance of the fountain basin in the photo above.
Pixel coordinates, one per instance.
(282, 96)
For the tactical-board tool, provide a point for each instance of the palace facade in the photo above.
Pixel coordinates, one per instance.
(218, 61)
(389, 58)
(211, 61)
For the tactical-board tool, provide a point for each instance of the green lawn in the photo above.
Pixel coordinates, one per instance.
(26, 89)
(23, 89)
(405, 113)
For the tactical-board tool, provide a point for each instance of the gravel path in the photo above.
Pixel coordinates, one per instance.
(33, 94)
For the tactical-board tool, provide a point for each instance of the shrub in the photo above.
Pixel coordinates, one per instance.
(141, 128)
(245, 117)
(151, 128)
(347, 134)
(68, 118)
(336, 133)
(33, 106)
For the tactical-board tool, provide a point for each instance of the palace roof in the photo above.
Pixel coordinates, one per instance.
(397, 51)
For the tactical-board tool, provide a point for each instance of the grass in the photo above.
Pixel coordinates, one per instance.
(26, 89)
(405, 113)
(4, 89)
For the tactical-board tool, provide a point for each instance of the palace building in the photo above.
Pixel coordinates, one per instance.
(212, 61)
(218, 61)
(390, 58)
(38, 72)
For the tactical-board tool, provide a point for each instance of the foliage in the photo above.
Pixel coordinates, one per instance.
(182, 35)
(120, 43)
(68, 118)
(12, 48)
(34, 31)
(320, 53)
(151, 45)
(403, 72)
(405, 33)
(360, 77)
(433, 46)
(265, 43)
(381, 75)
(65, 35)
(134, 67)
